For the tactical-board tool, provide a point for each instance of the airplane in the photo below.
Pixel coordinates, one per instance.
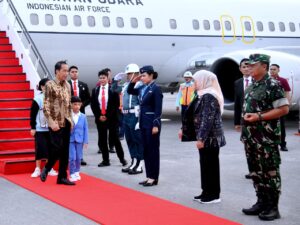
(173, 36)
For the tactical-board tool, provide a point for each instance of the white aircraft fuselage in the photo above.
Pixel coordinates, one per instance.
(173, 36)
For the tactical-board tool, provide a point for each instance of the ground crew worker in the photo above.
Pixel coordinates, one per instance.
(264, 104)
(186, 93)
(130, 109)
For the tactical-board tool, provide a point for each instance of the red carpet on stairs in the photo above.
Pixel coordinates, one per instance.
(99, 200)
(16, 144)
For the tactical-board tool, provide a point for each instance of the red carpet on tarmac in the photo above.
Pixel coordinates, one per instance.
(99, 200)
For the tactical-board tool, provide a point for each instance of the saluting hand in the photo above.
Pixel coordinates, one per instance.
(136, 79)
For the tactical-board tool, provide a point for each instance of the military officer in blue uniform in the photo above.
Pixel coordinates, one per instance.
(150, 97)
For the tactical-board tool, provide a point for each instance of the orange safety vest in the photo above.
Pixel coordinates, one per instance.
(187, 94)
(121, 101)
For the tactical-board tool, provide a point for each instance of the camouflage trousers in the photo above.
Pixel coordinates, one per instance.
(264, 162)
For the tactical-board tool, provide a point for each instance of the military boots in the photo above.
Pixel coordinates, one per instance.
(271, 212)
(257, 208)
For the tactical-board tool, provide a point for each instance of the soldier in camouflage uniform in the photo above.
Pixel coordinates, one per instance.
(264, 103)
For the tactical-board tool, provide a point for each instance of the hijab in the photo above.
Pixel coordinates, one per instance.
(207, 83)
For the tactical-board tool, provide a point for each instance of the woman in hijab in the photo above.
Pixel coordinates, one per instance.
(207, 122)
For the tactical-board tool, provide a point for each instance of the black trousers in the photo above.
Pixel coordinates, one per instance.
(59, 149)
(210, 172)
(151, 152)
(283, 134)
(103, 129)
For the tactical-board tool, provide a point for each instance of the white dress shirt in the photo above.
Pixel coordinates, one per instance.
(75, 117)
(249, 81)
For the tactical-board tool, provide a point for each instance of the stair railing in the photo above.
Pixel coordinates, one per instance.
(28, 43)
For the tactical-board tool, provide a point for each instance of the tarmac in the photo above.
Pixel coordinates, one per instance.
(179, 178)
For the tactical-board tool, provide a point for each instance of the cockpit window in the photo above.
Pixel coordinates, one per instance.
(49, 19)
(63, 20)
(34, 19)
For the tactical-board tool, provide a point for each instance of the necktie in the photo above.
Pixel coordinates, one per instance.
(75, 88)
(247, 82)
(103, 102)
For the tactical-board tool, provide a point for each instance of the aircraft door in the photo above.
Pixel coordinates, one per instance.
(248, 30)
(228, 29)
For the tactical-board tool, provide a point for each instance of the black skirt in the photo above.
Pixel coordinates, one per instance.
(42, 145)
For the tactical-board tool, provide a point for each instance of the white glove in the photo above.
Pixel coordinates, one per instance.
(137, 126)
(119, 76)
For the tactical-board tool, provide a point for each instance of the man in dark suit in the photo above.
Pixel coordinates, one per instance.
(239, 87)
(105, 105)
(80, 89)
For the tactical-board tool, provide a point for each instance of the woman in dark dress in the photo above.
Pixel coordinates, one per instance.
(205, 111)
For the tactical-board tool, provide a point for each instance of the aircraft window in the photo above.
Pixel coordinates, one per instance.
(196, 25)
(106, 21)
(134, 22)
(227, 25)
(247, 25)
(271, 26)
(91, 21)
(148, 23)
(77, 21)
(292, 26)
(260, 26)
(34, 19)
(217, 25)
(63, 20)
(49, 19)
(206, 24)
(173, 24)
(120, 22)
(281, 26)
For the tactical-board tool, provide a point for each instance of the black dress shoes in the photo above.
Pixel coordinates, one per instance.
(64, 181)
(134, 171)
(123, 162)
(103, 164)
(126, 170)
(284, 149)
(143, 182)
(112, 150)
(44, 174)
(83, 163)
(248, 176)
(149, 183)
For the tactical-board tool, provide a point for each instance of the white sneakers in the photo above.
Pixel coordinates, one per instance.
(37, 172)
(75, 177)
(53, 173)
